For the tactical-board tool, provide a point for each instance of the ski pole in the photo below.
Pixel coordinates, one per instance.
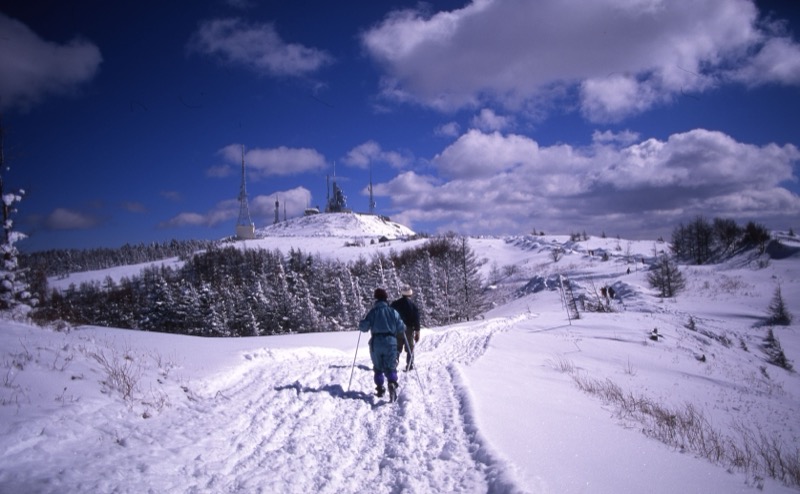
(354, 362)
(416, 372)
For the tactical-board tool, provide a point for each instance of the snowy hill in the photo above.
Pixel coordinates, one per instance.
(349, 225)
(657, 396)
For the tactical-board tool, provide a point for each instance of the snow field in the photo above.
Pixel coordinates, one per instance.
(279, 421)
(493, 410)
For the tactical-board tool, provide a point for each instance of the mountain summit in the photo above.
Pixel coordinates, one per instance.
(337, 225)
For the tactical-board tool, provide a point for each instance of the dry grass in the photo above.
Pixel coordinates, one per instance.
(756, 454)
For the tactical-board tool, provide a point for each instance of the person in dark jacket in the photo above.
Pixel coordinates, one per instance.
(384, 324)
(409, 313)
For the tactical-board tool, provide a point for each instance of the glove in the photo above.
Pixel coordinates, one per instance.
(416, 336)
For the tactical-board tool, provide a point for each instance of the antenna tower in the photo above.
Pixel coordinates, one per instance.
(245, 229)
(371, 197)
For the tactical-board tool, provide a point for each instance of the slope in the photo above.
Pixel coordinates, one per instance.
(280, 420)
(495, 406)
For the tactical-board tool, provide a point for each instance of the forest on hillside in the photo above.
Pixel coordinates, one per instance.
(227, 291)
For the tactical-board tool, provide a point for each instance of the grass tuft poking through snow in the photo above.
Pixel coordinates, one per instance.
(686, 428)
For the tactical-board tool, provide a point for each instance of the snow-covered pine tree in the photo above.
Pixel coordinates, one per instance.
(353, 295)
(777, 313)
(14, 292)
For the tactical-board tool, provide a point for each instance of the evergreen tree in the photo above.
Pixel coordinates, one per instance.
(666, 277)
(777, 311)
(186, 306)
(211, 321)
(13, 287)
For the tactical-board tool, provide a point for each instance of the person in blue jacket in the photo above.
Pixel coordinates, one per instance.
(385, 326)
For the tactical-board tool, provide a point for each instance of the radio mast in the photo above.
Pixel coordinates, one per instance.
(245, 229)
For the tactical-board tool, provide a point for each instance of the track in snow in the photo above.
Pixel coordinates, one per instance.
(289, 425)
(300, 428)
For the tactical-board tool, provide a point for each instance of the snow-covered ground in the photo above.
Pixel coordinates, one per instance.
(492, 407)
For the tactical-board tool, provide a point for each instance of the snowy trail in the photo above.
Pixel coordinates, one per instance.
(285, 423)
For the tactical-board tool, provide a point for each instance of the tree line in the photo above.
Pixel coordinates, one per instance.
(230, 291)
(702, 241)
(61, 262)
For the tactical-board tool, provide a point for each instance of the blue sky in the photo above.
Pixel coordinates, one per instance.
(124, 124)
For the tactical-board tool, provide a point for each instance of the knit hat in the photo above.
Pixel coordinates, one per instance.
(407, 291)
(380, 294)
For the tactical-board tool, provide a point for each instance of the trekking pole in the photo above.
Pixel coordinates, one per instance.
(411, 360)
(354, 362)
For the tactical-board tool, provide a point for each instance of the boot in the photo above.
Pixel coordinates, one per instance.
(379, 390)
(392, 390)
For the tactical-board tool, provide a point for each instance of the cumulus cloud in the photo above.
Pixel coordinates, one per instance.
(607, 136)
(450, 129)
(370, 152)
(503, 184)
(257, 47)
(619, 57)
(66, 219)
(488, 120)
(777, 61)
(262, 210)
(293, 202)
(33, 68)
(224, 211)
(280, 161)
(476, 154)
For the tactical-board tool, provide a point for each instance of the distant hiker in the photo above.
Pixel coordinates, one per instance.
(410, 314)
(385, 324)
(611, 293)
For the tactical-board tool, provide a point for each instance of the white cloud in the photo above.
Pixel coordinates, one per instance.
(506, 184)
(450, 129)
(292, 201)
(476, 154)
(370, 152)
(488, 120)
(261, 207)
(777, 61)
(622, 56)
(186, 219)
(66, 219)
(702, 158)
(611, 98)
(33, 68)
(607, 136)
(257, 47)
(224, 211)
(280, 161)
